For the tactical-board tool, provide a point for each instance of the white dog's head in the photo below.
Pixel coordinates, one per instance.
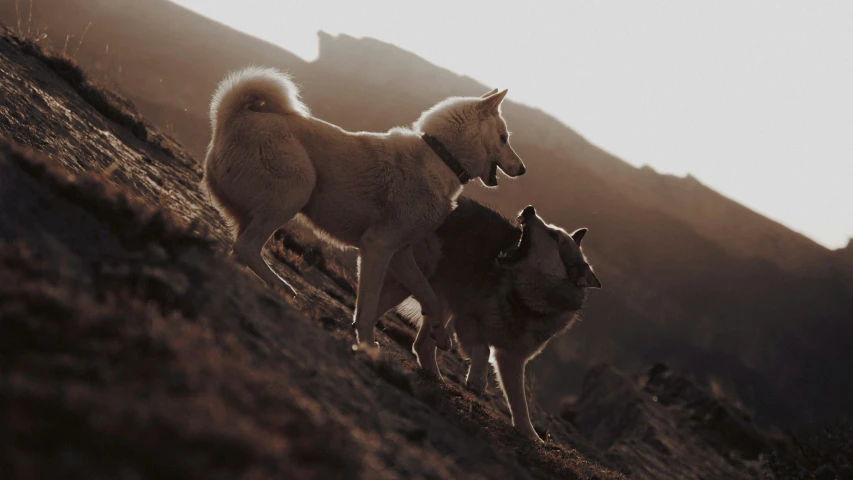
(474, 131)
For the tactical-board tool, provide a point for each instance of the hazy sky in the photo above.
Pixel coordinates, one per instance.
(754, 98)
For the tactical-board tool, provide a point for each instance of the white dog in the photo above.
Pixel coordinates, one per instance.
(269, 160)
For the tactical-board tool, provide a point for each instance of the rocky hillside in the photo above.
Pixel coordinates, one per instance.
(131, 347)
(692, 279)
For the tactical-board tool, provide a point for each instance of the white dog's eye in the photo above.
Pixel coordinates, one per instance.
(503, 138)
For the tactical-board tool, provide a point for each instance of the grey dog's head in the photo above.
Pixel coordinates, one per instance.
(550, 252)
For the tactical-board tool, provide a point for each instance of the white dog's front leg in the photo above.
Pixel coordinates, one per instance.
(406, 269)
(511, 375)
(373, 265)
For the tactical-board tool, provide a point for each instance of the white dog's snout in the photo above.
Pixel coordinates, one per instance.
(513, 166)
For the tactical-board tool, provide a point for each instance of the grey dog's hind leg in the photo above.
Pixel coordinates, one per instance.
(392, 295)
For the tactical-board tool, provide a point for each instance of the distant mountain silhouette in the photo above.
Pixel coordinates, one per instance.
(691, 278)
(846, 253)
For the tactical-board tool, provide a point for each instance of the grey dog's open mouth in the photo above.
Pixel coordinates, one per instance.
(492, 181)
(519, 250)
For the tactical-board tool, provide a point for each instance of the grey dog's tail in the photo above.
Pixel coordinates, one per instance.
(410, 310)
(257, 89)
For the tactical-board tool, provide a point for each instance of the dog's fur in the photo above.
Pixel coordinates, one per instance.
(509, 286)
(269, 160)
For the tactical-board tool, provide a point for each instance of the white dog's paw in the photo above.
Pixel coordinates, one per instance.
(370, 349)
(441, 338)
(364, 337)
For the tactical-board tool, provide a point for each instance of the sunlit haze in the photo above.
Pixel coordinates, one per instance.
(755, 99)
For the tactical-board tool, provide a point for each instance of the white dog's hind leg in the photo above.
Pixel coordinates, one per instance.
(424, 350)
(247, 250)
(478, 372)
(511, 375)
(374, 257)
(406, 269)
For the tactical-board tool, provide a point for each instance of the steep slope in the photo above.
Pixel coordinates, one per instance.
(131, 347)
(668, 426)
(691, 278)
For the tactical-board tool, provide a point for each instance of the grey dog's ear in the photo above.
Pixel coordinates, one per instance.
(494, 91)
(588, 279)
(578, 235)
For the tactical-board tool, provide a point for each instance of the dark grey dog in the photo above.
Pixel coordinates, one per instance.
(508, 286)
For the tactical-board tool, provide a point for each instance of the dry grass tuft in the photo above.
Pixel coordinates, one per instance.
(108, 103)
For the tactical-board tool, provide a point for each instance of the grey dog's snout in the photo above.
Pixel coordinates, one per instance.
(521, 170)
(528, 211)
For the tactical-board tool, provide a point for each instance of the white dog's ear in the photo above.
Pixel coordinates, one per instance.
(494, 91)
(490, 105)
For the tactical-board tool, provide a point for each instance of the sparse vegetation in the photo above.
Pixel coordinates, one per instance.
(292, 252)
(821, 453)
(113, 369)
(131, 220)
(110, 105)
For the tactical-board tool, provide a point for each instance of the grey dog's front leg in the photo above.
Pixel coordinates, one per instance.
(511, 372)
(478, 373)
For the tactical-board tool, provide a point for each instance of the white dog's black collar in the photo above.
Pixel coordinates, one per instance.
(447, 157)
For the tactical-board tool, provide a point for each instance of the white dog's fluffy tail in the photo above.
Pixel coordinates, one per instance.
(258, 89)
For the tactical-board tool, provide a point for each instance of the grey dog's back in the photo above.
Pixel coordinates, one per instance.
(472, 237)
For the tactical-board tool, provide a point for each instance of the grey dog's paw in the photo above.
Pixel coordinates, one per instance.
(441, 338)
(477, 388)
